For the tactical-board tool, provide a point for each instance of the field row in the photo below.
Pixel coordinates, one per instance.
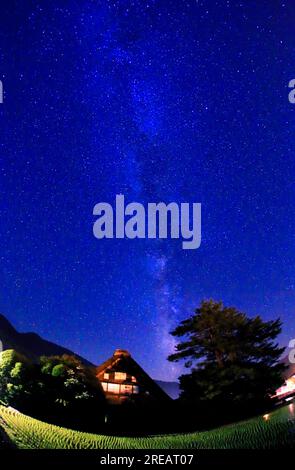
(276, 431)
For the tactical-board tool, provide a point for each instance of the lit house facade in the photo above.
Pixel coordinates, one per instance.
(119, 383)
(122, 380)
(287, 390)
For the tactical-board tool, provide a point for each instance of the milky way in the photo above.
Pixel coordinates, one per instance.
(183, 101)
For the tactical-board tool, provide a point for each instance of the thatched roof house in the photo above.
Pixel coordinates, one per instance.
(123, 379)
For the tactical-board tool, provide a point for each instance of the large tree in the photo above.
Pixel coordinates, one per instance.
(232, 358)
(72, 391)
(58, 388)
(17, 379)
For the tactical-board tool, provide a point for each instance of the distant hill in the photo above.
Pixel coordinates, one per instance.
(171, 388)
(31, 344)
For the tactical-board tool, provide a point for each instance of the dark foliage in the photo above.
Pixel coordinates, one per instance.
(59, 389)
(233, 360)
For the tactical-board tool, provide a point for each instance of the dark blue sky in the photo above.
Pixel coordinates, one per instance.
(183, 101)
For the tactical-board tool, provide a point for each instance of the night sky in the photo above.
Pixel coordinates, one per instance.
(183, 101)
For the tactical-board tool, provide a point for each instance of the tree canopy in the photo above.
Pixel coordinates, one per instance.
(58, 388)
(232, 358)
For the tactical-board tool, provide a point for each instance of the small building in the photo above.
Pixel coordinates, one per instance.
(287, 389)
(122, 380)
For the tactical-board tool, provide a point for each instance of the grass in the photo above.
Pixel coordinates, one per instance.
(259, 433)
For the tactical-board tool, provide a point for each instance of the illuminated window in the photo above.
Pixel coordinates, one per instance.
(104, 386)
(106, 375)
(113, 388)
(120, 376)
(135, 389)
(134, 379)
(126, 389)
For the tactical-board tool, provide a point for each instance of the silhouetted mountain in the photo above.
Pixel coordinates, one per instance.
(171, 388)
(31, 344)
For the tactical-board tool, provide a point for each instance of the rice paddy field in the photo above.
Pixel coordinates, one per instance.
(276, 430)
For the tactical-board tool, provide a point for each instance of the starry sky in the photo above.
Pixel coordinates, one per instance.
(160, 100)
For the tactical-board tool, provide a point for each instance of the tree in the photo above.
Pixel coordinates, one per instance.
(72, 380)
(58, 389)
(17, 374)
(233, 359)
(72, 391)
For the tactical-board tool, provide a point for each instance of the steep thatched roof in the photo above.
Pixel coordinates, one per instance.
(122, 361)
